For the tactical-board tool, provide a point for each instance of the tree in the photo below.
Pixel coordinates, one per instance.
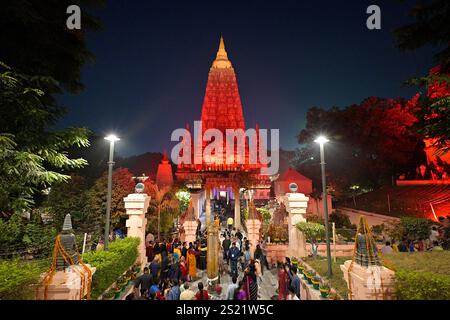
(266, 217)
(162, 200)
(409, 228)
(71, 198)
(369, 142)
(35, 40)
(311, 230)
(122, 185)
(431, 27)
(432, 108)
(18, 233)
(33, 155)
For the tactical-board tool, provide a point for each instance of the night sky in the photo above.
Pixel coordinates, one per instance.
(153, 58)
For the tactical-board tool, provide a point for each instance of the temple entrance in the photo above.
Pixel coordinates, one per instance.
(223, 203)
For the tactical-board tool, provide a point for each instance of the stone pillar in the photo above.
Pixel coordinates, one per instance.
(296, 204)
(212, 255)
(208, 206)
(195, 200)
(237, 208)
(136, 205)
(369, 283)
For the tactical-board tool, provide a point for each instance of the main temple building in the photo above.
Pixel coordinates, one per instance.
(215, 185)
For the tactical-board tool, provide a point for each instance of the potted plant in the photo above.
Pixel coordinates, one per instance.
(109, 295)
(305, 274)
(315, 282)
(117, 291)
(122, 283)
(301, 268)
(324, 290)
(294, 262)
(310, 276)
(332, 295)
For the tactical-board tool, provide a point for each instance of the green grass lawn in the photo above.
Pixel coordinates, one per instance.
(337, 279)
(436, 261)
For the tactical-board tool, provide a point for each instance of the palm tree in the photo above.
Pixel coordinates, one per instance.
(162, 199)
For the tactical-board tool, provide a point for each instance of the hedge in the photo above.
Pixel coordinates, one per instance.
(413, 285)
(18, 278)
(121, 255)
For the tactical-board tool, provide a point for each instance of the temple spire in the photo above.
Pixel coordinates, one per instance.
(221, 61)
(222, 45)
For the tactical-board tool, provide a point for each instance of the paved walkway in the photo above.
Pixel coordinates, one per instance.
(267, 289)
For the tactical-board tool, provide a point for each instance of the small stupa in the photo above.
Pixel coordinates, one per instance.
(366, 277)
(68, 242)
(68, 278)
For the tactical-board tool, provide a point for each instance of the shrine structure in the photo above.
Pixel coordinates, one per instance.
(219, 182)
(164, 175)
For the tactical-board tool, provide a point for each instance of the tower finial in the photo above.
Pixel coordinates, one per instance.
(221, 61)
(221, 44)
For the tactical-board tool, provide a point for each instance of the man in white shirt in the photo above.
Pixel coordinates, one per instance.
(187, 293)
(434, 235)
(231, 288)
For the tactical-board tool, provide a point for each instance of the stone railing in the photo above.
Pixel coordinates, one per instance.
(342, 250)
(373, 219)
(276, 252)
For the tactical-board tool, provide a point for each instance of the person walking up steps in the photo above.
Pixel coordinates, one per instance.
(230, 223)
(234, 257)
(192, 262)
(144, 282)
(226, 248)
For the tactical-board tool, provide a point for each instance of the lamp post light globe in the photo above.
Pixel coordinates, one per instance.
(112, 139)
(321, 140)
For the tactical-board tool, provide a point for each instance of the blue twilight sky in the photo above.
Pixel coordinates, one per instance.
(153, 57)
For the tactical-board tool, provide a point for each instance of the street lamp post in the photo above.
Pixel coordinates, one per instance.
(321, 141)
(112, 139)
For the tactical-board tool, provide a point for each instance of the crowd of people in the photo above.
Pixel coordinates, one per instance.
(174, 266)
(438, 240)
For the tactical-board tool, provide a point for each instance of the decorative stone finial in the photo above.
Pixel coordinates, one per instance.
(139, 188)
(67, 226)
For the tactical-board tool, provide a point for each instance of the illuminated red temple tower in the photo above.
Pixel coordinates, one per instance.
(216, 179)
(222, 108)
